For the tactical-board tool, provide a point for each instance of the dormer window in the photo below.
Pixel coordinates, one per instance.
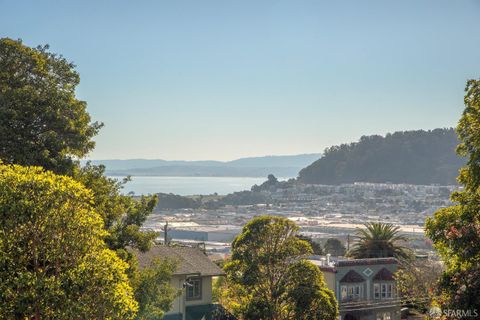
(384, 285)
(383, 290)
(351, 286)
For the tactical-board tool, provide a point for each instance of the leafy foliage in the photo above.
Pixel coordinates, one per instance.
(416, 157)
(335, 247)
(123, 215)
(269, 279)
(310, 298)
(239, 198)
(379, 240)
(273, 184)
(41, 121)
(173, 201)
(316, 246)
(53, 261)
(417, 283)
(153, 291)
(455, 231)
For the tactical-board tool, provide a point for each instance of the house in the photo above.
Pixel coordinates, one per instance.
(365, 288)
(193, 277)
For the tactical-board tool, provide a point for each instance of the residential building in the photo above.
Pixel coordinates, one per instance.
(365, 288)
(192, 277)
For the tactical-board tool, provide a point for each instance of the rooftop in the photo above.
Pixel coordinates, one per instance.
(365, 262)
(332, 267)
(190, 260)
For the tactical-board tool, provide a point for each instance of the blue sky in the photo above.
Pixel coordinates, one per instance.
(227, 79)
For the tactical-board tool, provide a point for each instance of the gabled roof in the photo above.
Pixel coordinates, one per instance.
(352, 277)
(190, 260)
(384, 275)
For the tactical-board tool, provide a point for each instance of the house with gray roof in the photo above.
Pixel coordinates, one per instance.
(193, 277)
(365, 288)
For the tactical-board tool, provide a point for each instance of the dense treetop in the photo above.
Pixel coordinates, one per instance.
(268, 277)
(455, 230)
(41, 120)
(42, 123)
(415, 157)
(54, 263)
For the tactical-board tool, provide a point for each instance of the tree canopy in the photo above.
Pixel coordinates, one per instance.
(455, 231)
(43, 124)
(268, 277)
(54, 263)
(417, 283)
(335, 247)
(379, 240)
(415, 157)
(153, 291)
(41, 121)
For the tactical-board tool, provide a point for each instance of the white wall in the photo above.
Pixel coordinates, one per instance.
(179, 302)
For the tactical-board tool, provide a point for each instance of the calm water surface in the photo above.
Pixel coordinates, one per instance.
(189, 185)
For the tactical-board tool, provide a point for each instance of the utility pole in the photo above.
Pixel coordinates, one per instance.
(165, 234)
(348, 242)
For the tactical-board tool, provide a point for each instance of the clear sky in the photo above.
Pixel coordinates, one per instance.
(227, 79)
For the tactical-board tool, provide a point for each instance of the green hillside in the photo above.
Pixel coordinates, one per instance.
(414, 157)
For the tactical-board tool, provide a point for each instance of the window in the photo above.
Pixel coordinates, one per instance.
(194, 289)
(343, 295)
(351, 292)
(383, 290)
(376, 290)
(389, 290)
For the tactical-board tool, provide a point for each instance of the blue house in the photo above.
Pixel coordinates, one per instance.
(365, 288)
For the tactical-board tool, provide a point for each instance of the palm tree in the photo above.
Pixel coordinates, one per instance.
(379, 240)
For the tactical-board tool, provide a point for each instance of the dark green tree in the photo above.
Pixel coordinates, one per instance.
(123, 215)
(415, 157)
(41, 121)
(316, 247)
(455, 231)
(268, 277)
(335, 247)
(379, 240)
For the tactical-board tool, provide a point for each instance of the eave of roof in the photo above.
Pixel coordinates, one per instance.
(352, 277)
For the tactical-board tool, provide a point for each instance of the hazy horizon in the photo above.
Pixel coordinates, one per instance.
(216, 80)
(193, 160)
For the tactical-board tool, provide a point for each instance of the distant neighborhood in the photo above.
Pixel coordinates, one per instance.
(321, 212)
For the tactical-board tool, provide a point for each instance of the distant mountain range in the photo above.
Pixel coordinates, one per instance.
(413, 157)
(280, 166)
